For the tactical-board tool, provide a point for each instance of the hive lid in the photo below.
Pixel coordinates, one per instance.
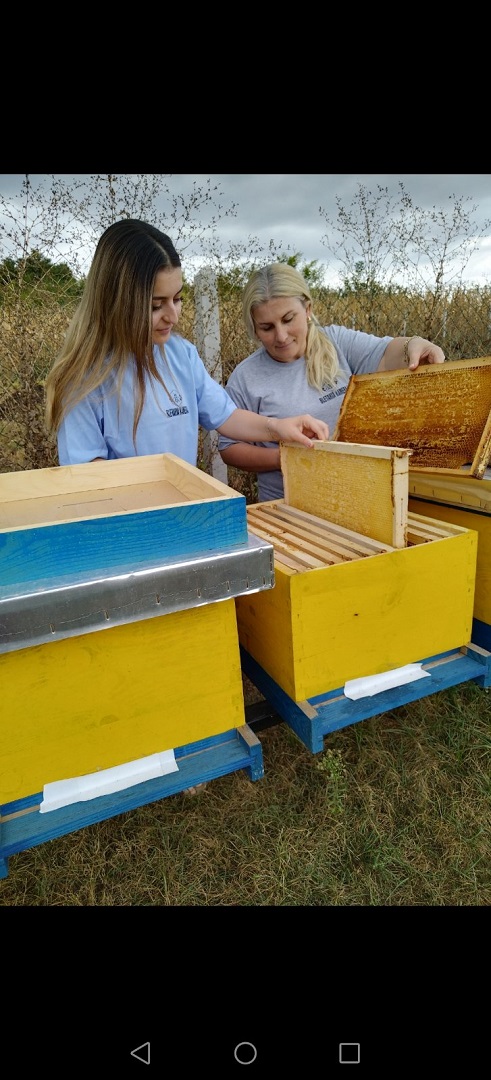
(101, 516)
(442, 412)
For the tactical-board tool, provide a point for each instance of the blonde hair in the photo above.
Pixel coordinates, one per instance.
(112, 325)
(280, 279)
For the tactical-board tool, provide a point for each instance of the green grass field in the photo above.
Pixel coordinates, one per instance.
(395, 811)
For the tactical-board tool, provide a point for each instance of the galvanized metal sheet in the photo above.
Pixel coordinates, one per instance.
(77, 605)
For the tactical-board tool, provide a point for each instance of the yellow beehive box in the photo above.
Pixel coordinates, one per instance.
(346, 605)
(465, 501)
(98, 700)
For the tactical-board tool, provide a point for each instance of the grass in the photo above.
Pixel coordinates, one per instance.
(395, 811)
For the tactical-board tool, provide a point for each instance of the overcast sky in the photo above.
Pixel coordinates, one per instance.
(285, 208)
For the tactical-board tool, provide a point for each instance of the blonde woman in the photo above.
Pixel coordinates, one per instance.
(300, 364)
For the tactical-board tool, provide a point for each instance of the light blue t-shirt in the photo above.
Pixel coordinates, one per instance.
(273, 388)
(101, 425)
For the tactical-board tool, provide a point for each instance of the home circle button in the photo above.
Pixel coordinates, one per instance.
(245, 1053)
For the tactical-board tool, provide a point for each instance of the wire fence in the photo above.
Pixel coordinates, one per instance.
(33, 323)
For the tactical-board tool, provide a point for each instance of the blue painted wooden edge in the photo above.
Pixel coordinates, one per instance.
(319, 716)
(238, 748)
(94, 544)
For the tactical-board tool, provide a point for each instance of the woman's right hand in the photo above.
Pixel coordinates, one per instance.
(302, 429)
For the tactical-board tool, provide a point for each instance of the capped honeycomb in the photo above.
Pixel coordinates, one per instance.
(442, 412)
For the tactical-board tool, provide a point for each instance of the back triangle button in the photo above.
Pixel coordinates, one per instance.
(142, 1053)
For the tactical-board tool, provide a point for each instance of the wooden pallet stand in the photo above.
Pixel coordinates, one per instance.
(317, 717)
(23, 826)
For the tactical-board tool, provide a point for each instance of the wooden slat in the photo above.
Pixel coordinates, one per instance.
(289, 554)
(298, 539)
(422, 529)
(327, 545)
(433, 530)
(292, 531)
(292, 534)
(309, 523)
(417, 536)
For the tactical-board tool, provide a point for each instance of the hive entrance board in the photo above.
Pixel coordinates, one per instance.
(361, 488)
(442, 412)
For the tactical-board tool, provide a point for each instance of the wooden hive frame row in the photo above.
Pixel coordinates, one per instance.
(303, 541)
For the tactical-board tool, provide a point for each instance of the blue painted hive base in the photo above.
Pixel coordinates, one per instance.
(313, 719)
(22, 825)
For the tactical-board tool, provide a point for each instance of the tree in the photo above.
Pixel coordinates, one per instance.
(35, 276)
(64, 217)
(386, 238)
(311, 271)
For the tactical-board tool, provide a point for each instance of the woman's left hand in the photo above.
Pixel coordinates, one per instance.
(419, 350)
(410, 352)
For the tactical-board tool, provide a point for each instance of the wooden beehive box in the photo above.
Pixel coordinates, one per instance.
(91, 518)
(84, 702)
(442, 412)
(345, 604)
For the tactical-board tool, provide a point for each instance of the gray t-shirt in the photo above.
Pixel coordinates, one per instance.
(273, 388)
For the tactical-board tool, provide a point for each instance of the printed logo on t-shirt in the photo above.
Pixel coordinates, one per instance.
(177, 412)
(328, 394)
(180, 408)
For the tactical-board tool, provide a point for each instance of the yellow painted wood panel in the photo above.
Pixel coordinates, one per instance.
(363, 488)
(468, 520)
(265, 629)
(87, 703)
(364, 617)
